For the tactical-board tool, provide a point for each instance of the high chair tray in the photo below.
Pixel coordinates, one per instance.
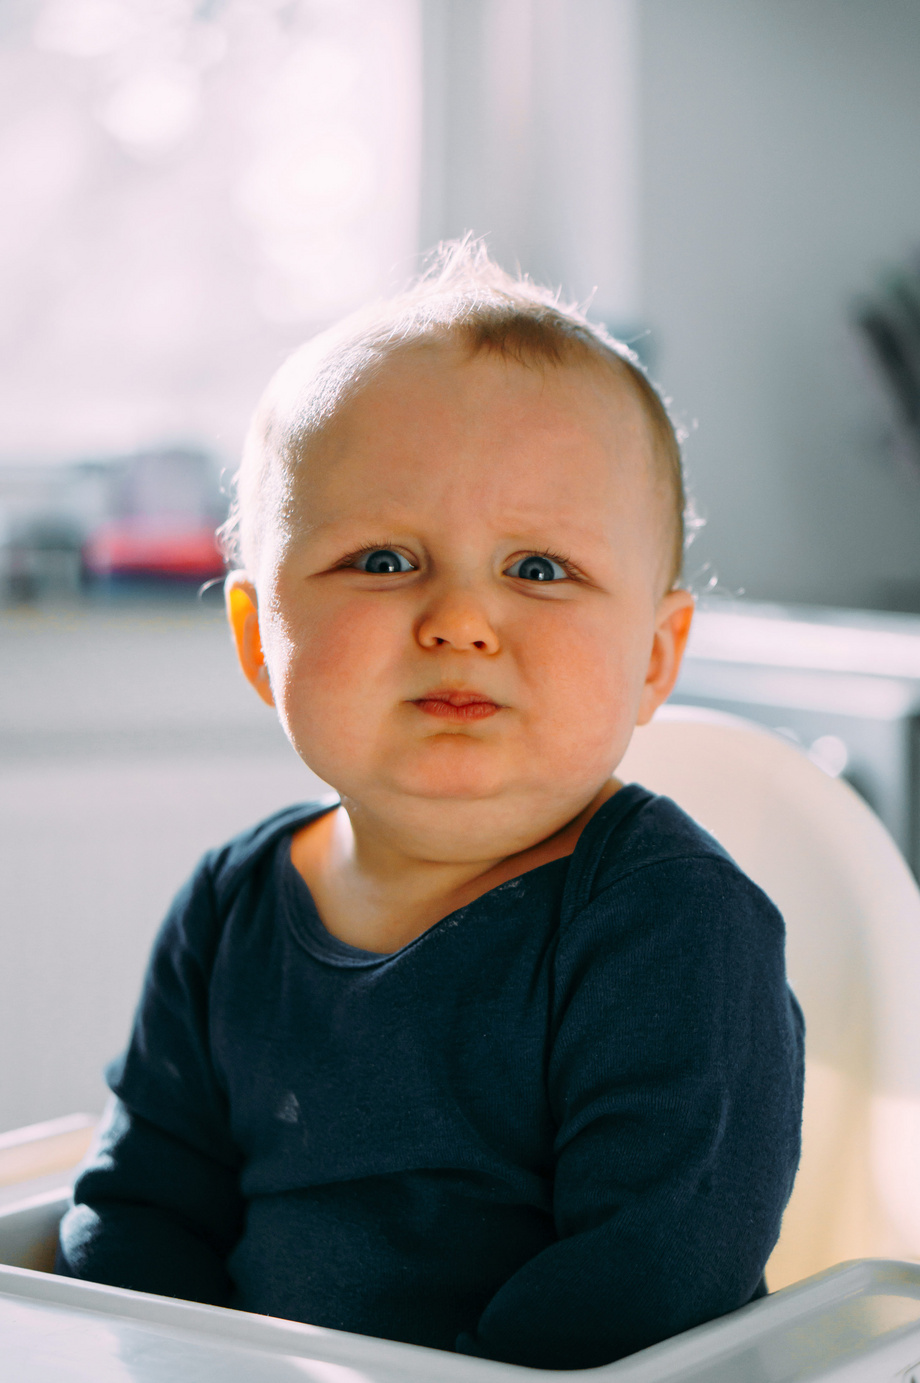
(857, 1323)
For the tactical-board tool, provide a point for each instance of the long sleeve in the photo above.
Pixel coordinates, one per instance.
(158, 1206)
(559, 1126)
(675, 1077)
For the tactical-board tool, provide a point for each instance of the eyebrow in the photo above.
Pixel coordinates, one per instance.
(523, 528)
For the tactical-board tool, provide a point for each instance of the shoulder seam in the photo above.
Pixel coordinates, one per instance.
(586, 873)
(702, 858)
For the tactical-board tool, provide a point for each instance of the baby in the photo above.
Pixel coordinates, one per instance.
(494, 1053)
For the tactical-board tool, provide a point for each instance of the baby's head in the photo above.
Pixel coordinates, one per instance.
(459, 528)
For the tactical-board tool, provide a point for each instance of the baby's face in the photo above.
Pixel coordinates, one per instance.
(466, 619)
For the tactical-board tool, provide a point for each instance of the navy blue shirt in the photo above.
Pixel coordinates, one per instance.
(558, 1126)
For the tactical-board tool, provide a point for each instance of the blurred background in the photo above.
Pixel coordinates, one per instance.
(191, 188)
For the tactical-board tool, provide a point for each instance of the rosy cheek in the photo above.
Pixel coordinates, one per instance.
(579, 656)
(343, 649)
(587, 676)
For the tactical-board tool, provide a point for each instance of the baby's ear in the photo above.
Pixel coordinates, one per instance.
(243, 614)
(672, 628)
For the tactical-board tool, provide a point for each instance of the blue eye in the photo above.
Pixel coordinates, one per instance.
(383, 561)
(537, 568)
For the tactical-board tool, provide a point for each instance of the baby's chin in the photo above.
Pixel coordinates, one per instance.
(467, 817)
(446, 773)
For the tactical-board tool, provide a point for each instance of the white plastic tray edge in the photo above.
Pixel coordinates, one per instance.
(267, 1333)
(701, 1345)
(742, 1329)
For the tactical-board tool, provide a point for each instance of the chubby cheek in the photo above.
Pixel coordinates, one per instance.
(329, 665)
(587, 678)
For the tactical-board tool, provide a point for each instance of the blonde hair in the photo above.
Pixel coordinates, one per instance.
(463, 296)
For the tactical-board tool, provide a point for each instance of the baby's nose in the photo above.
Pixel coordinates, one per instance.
(457, 620)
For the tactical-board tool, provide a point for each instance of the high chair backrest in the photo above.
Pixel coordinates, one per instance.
(852, 911)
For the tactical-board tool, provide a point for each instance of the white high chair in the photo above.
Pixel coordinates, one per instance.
(852, 911)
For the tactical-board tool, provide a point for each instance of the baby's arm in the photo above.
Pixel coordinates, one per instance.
(158, 1208)
(676, 1081)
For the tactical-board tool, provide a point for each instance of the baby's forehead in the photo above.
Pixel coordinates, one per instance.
(521, 430)
(314, 405)
(445, 384)
(551, 448)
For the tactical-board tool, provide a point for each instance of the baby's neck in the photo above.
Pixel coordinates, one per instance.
(378, 898)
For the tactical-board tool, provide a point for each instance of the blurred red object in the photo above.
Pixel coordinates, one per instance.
(141, 545)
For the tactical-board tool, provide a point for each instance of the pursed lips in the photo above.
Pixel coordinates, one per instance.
(457, 705)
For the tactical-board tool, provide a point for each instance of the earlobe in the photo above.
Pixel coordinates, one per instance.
(243, 614)
(672, 629)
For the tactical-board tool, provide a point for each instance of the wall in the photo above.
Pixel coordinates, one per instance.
(530, 139)
(780, 149)
(130, 744)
